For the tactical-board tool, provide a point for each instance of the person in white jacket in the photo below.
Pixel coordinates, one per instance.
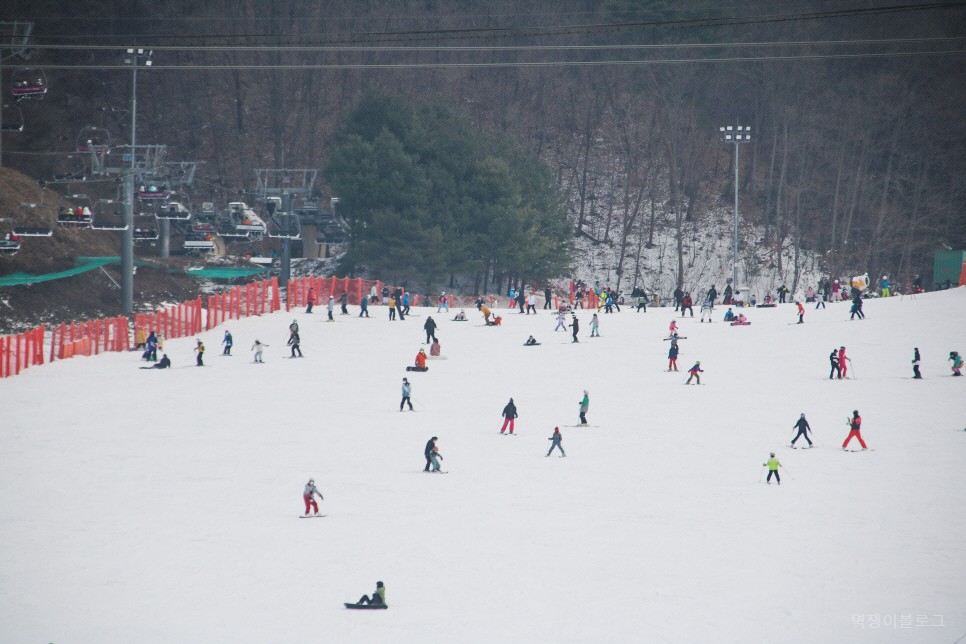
(257, 348)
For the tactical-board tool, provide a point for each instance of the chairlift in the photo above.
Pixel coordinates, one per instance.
(152, 192)
(12, 118)
(9, 246)
(145, 228)
(175, 208)
(108, 215)
(240, 221)
(77, 215)
(204, 220)
(199, 244)
(28, 83)
(32, 220)
(284, 225)
(69, 169)
(93, 139)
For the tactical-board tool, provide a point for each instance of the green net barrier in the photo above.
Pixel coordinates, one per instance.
(85, 264)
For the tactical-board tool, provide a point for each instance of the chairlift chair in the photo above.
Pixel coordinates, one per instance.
(284, 225)
(175, 208)
(78, 214)
(152, 192)
(26, 223)
(145, 228)
(240, 221)
(108, 215)
(12, 118)
(93, 139)
(9, 247)
(29, 83)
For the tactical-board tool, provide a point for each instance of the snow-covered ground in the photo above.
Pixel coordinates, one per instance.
(162, 506)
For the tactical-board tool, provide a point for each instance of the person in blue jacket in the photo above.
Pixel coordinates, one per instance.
(407, 390)
(803, 430)
(556, 438)
(364, 306)
(151, 353)
(227, 342)
(428, 452)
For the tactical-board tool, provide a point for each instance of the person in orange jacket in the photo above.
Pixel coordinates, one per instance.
(855, 424)
(420, 362)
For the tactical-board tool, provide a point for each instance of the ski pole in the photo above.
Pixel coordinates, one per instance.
(852, 367)
(761, 473)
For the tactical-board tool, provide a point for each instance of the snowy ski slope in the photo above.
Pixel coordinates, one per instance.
(162, 506)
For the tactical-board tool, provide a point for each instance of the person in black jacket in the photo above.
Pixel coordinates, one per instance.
(915, 365)
(343, 300)
(163, 364)
(782, 292)
(509, 413)
(547, 296)
(428, 452)
(678, 294)
(712, 296)
(803, 430)
(430, 327)
(576, 325)
(833, 358)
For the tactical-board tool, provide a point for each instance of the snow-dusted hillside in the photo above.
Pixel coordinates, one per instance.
(162, 506)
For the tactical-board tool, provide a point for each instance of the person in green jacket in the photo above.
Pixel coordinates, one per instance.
(584, 406)
(773, 465)
(378, 597)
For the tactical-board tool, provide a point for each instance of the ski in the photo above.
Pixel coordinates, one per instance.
(311, 516)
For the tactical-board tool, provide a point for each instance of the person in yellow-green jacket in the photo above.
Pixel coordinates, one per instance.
(773, 464)
(378, 597)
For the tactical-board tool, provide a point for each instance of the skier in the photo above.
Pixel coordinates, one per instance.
(547, 298)
(727, 294)
(594, 323)
(773, 464)
(398, 296)
(672, 357)
(576, 325)
(642, 302)
(257, 348)
(430, 327)
(407, 391)
(556, 438)
(957, 361)
(584, 406)
(678, 296)
(378, 597)
(686, 304)
(330, 307)
(706, 310)
(308, 495)
(915, 365)
(293, 327)
(803, 430)
(672, 328)
(855, 424)
(228, 343)
(435, 457)
(200, 352)
(405, 305)
(857, 305)
(443, 303)
(801, 312)
(310, 300)
(561, 322)
(782, 292)
(695, 372)
(294, 340)
(392, 308)
(509, 414)
(532, 303)
(884, 286)
(364, 306)
(842, 362)
(343, 301)
(821, 297)
(833, 358)
(428, 451)
(711, 297)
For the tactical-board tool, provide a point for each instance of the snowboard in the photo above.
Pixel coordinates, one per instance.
(417, 369)
(535, 344)
(366, 606)
(582, 425)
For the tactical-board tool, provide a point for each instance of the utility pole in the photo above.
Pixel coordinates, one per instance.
(133, 58)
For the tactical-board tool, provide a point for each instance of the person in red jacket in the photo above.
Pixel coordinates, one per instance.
(686, 303)
(842, 361)
(855, 424)
(695, 372)
(801, 313)
(421, 360)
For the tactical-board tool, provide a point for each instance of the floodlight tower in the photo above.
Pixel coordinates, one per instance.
(736, 135)
(134, 57)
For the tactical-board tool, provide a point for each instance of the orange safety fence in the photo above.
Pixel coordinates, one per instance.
(20, 351)
(89, 337)
(177, 321)
(322, 288)
(256, 298)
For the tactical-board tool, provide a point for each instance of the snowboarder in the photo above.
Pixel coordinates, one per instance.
(531, 342)
(228, 343)
(364, 306)
(435, 349)
(164, 363)
(857, 305)
(391, 302)
(330, 307)
(803, 430)
(915, 365)
(695, 372)
(833, 358)
(308, 495)
(407, 391)
(957, 361)
(584, 406)
(773, 464)
(729, 316)
(576, 326)
(420, 362)
(430, 327)
(257, 348)
(556, 438)
(405, 305)
(200, 353)
(561, 322)
(843, 359)
(642, 302)
(672, 357)
(509, 414)
(711, 296)
(855, 425)
(594, 323)
(460, 317)
(801, 312)
(294, 340)
(378, 597)
(310, 300)
(428, 452)
(343, 301)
